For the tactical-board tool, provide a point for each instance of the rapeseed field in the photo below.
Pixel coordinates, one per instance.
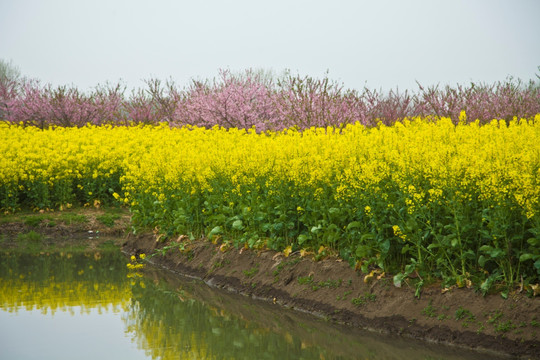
(453, 203)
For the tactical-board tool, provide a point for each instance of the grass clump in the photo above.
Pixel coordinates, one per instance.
(70, 218)
(30, 236)
(108, 219)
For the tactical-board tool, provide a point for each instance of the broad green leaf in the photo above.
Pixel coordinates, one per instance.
(315, 229)
(398, 278)
(354, 225)
(362, 251)
(537, 265)
(525, 257)
(367, 236)
(485, 248)
(302, 238)
(237, 225)
(215, 231)
(482, 260)
(385, 246)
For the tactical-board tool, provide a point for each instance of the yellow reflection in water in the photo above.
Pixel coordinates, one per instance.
(171, 324)
(60, 295)
(57, 282)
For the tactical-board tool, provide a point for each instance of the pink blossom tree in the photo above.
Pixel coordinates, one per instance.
(243, 101)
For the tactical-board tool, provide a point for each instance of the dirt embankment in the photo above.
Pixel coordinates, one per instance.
(331, 289)
(328, 288)
(86, 228)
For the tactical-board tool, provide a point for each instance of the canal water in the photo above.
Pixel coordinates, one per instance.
(68, 305)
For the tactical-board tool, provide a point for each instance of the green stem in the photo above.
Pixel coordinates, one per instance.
(458, 233)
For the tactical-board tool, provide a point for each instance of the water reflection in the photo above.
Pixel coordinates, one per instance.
(173, 325)
(65, 306)
(160, 316)
(174, 318)
(62, 281)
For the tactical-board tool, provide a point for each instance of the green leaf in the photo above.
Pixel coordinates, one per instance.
(333, 228)
(385, 246)
(486, 285)
(215, 231)
(398, 278)
(354, 225)
(419, 288)
(411, 225)
(409, 269)
(525, 257)
(469, 254)
(302, 238)
(405, 249)
(482, 260)
(485, 248)
(237, 225)
(367, 236)
(218, 218)
(277, 226)
(363, 251)
(537, 265)
(496, 253)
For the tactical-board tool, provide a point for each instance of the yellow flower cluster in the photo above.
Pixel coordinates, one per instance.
(60, 166)
(135, 264)
(499, 162)
(398, 233)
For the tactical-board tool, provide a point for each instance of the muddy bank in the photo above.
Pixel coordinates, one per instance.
(331, 289)
(86, 227)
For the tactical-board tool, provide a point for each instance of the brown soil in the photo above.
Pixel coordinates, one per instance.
(327, 288)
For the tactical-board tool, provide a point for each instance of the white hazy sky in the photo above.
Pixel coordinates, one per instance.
(377, 43)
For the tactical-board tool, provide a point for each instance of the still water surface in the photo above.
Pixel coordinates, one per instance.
(90, 306)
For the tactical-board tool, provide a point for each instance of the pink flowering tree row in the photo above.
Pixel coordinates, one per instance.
(33, 104)
(255, 99)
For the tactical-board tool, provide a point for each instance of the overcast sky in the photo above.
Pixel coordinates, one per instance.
(378, 43)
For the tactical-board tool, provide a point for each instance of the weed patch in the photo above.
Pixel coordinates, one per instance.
(429, 310)
(108, 219)
(251, 272)
(70, 219)
(30, 236)
(364, 299)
